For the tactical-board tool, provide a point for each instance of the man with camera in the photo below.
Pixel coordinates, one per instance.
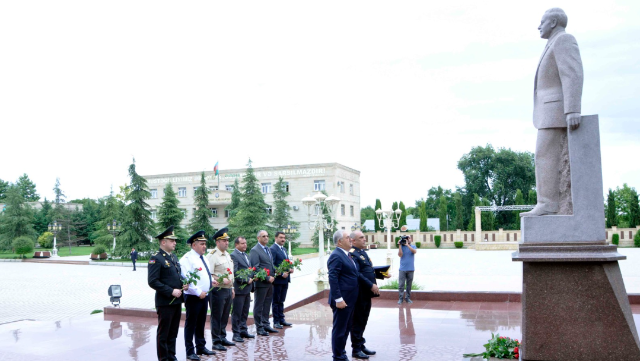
(406, 252)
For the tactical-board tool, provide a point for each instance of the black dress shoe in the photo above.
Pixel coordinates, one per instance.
(269, 329)
(237, 339)
(247, 335)
(219, 347)
(263, 333)
(205, 351)
(367, 351)
(283, 323)
(360, 354)
(193, 356)
(226, 342)
(277, 325)
(174, 358)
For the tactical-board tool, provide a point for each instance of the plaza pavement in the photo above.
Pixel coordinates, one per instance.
(52, 292)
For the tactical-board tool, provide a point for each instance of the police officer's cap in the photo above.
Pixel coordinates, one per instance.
(167, 234)
(198, 236)
(221, 234)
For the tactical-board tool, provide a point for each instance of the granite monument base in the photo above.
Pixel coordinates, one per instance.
(574, 304)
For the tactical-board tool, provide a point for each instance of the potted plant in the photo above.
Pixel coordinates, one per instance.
(99, 252)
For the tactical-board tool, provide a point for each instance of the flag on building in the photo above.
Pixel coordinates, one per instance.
(215, 169)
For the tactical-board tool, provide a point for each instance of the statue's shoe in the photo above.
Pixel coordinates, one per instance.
(537, 211)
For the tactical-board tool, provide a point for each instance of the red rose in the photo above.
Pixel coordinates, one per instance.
(268, 273)
(228, 270)
(515, 350)
(200, 269)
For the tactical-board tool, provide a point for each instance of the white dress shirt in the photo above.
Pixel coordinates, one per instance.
(191, 261)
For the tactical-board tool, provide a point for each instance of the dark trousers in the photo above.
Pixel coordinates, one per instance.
(360, 319)
(262, 306)
(134, 264)
(342, 323)
(220, 308)
(168, 326)
(194, 324)
(279, 295)
(241, 305)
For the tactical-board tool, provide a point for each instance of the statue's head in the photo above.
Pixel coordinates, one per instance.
(552, 21)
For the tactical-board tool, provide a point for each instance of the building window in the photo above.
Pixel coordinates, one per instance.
(213, 188)
(269, 210)
(266, 188)
(229, 187)
(154, 193)
(342, 207)
(214, 212)
(154, 214)
(226, 213)
(182, 192)
(195, 189)
(286, 186)
(341, 187)
(351, 211)
(351, 189)
(318, 185)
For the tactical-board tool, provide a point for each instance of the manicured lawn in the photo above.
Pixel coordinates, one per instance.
(62, 252)
(298, 251)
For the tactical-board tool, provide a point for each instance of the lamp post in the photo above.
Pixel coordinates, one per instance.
(389, 219)
(290, 231)
(54, 228)
(114, 228)
(318, 202)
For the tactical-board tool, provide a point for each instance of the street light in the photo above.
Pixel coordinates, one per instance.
(318, 202)
(389, 219)
(54, 228)
(115, 229)
(289, 232)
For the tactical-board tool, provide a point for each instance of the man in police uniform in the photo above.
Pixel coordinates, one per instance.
(164, 277)
(367, 289)
(221, 297)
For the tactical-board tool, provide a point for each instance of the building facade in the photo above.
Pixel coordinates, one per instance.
(302, 180)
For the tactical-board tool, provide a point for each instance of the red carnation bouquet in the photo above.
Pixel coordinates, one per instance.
(192, 277)
(244, 275)
(262, 274)
(297, 264)
(499, 347)
(221, 278)
(284, 266)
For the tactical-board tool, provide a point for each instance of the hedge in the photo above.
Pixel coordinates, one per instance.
(615, 239)
(458, 244)
(437, 240)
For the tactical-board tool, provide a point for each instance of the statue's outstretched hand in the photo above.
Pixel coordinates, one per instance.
(573, 120)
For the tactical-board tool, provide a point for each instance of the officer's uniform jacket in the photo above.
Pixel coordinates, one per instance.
(366, 274)
(165, 276)
(219, 262)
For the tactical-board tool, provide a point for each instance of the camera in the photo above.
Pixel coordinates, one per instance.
(403, 240)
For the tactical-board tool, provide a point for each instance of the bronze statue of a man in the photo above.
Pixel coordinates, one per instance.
(557, 98)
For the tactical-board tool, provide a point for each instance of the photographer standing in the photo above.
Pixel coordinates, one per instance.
(406, 252)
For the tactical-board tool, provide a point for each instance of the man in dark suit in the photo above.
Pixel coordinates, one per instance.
(242, 301)
(134, 257)
(281, 284)
(368, 288)
(164, 277)
(343, 294)
(260, 258)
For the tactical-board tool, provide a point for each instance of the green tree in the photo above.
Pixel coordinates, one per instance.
(281, 217)
(394, 206)
(532, 198)
(375, 220)
(442, 213)
(634, 209)
(403, 216)
(169, 214)
(612, 213)
(41, 218)
(624, 198)
(519, 202)
(367, 213)
(137, 227)
(23, 245)
(459, 211)
(333, 225)
(488, 218)
(236, 198)
(112, 211)
(17, 219)
(4, 186)
(27, 189)
(251, 215)
(423, 217)
(58, 212)
(472, 221)
(200, 219)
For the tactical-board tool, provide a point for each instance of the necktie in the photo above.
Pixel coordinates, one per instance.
(285, 253)
(266, 249)
(207, 268)
(352, 261)
(245, 257)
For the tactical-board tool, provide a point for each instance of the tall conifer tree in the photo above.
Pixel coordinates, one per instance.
(169, 214)
(519, 201)
(442, 213)
(236, 197)
(17, 219)
(138, 227)
(200, 220)
(281, 217)
(612, 214)
(423, 217)
(27, 189)
(457, 197)
(375, 219)
(403, 216)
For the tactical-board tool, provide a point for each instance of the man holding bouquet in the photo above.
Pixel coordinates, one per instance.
(261, 258)
(281, 283)
(222, 296)
(242, 288)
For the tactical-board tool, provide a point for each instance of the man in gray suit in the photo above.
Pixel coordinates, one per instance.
(260, 258)
(242, 301)
(557, 100)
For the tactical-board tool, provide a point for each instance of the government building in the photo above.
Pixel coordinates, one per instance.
(302, 180)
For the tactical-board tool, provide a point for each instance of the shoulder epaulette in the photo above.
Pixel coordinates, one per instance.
(212, 252)
(352, 250)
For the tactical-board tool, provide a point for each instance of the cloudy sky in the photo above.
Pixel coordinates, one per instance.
(397, 90)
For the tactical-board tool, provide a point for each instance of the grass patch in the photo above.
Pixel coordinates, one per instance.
(96, 311)
(298, 251)
(393, 285)
(62, 252)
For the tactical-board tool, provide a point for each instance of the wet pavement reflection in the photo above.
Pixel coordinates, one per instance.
(421, 331)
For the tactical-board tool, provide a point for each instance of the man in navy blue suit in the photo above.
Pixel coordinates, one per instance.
(281, 284)
(343, 294)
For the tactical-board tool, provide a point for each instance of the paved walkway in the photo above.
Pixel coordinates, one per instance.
(52, 292)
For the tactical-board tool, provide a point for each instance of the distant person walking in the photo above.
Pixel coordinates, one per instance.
(407, 253)
(134, 257)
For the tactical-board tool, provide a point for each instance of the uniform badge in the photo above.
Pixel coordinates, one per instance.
(164, 255)
(362, 258)
(352, 250)
(152, 261)
(167, 263)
